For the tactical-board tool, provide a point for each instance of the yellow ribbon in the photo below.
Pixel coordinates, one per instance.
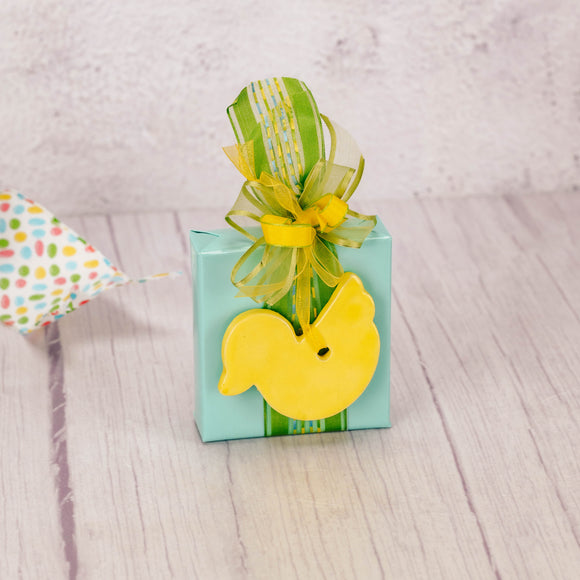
(280, 231)
(294, 235)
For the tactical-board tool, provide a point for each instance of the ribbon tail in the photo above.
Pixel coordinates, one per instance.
(242, 156)
(352, 232)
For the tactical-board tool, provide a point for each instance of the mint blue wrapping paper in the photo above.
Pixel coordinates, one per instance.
(214, 254)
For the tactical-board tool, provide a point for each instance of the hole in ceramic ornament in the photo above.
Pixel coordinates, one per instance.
(324, 352)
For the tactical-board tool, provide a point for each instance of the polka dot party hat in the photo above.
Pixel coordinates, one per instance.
(46, 269)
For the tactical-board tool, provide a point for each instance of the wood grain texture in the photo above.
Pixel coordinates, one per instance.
(30, 510)
(478, 478)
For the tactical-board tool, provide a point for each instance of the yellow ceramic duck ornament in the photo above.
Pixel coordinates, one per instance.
(261, 348)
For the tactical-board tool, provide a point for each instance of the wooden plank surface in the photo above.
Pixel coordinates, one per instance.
(478, 478)
(29, 468)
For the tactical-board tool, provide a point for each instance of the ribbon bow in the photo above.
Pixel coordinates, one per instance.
(296, 233)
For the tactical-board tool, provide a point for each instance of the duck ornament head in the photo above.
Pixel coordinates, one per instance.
(260, 348)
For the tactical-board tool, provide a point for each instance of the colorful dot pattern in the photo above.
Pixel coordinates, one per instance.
(46, 269)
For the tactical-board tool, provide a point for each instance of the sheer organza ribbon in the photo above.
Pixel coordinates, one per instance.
(292, 235)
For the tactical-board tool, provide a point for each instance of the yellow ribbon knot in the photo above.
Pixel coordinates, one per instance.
(326, 214)
(283, 232)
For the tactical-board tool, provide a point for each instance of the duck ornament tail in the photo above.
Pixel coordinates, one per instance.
(260, 348)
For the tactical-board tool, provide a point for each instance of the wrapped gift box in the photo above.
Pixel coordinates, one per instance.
(219, 417)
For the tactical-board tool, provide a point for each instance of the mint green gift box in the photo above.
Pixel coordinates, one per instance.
(215, 305)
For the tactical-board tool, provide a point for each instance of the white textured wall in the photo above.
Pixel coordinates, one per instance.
(110, 105)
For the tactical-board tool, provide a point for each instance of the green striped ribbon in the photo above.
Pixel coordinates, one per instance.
(281, 117)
